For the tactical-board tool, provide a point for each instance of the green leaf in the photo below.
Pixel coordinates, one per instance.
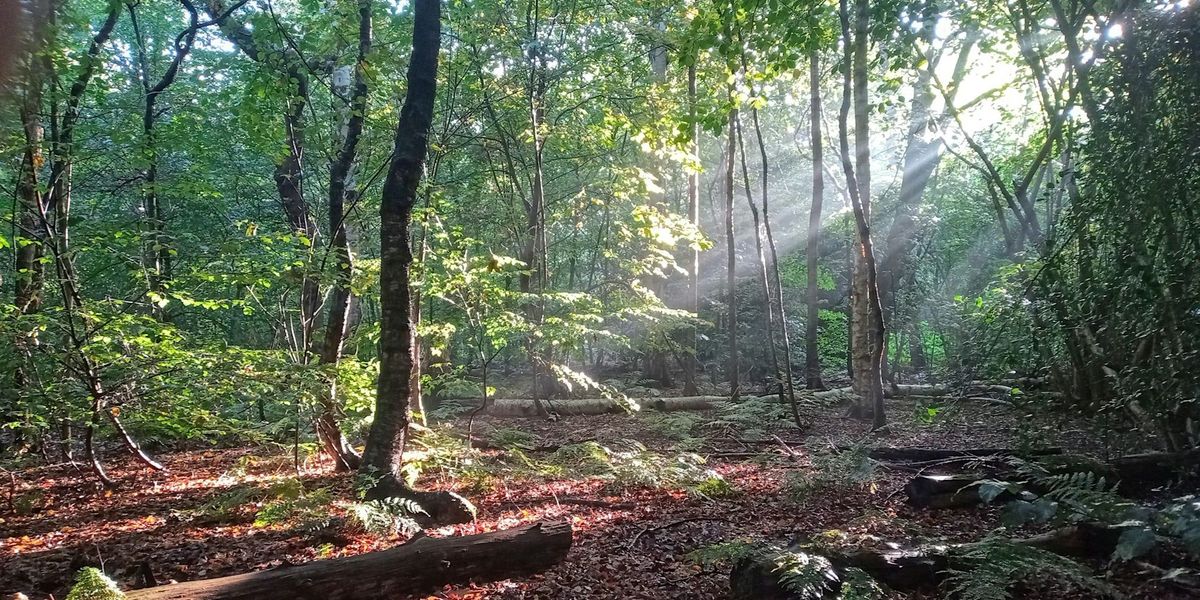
(1134, 542)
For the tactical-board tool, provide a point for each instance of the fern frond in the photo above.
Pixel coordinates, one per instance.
(996, 564)
(806, 575)
(92, 584)
(388, 516)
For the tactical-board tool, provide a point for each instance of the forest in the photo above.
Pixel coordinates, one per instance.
(748, 299)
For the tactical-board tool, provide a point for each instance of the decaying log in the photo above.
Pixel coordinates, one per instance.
(1132, 473)
(969, 391)
(922, 454)
(921, 390)
(527, 407)
(944, 491)
(1154, 467)
(902, 568)
(420, 565)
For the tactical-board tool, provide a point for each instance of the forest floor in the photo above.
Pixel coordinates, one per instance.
(198, 519)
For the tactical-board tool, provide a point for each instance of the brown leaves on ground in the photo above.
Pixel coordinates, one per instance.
(58, 520)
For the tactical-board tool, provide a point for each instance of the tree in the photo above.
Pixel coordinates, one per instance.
(342, 190)
(384, 454)
(812, 357)
(733, 367)
(866, 312)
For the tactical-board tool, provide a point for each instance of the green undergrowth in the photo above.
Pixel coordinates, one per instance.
(851, 470)
(92, 584)
(623, 465)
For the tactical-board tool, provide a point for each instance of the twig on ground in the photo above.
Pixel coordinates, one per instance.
(574, 502)
(674, 523)
(788, 449)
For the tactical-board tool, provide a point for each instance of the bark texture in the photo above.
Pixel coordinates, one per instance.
(384, 453)
(423, 564)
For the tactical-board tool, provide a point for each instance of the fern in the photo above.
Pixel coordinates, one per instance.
(806, 575)
(1087, 494)
(1072, 496)
(1182, 519)
(388, 516)
(512, 439)
(849, 469)
(724, 553)
(92, 584)
(858, 585)
(673, 425)
(586, 458)
(633, 466)
(750, 415)
(996, 564)
(227, 506)
(290, 503)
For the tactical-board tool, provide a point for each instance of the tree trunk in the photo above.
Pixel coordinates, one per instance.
(768, 304)
(341, 190)
(29, 273)
(866, 313)
(384, 454)
(693, 203)
(421, 565)
(157, 254)
(55, 217)
(812, 356)
(534, 253)
(733, 367)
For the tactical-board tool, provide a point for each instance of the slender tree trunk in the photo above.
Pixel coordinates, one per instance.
(867, 314)
(693, 203)
(534, 251)
(29, 271)
(341, 190)
(768, 308)
(416, 399)
(55, 217)
(289, 181)
(384, 454)
(812, 356)
(788, 385)
(731, 259)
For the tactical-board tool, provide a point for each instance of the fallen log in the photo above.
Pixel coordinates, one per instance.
(970, 391)
(420, 565)
(1131, 473)
(1154, 467)
(944, 491)
(904, 568)
(890, 454)
(527, 407)
(921, 390)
